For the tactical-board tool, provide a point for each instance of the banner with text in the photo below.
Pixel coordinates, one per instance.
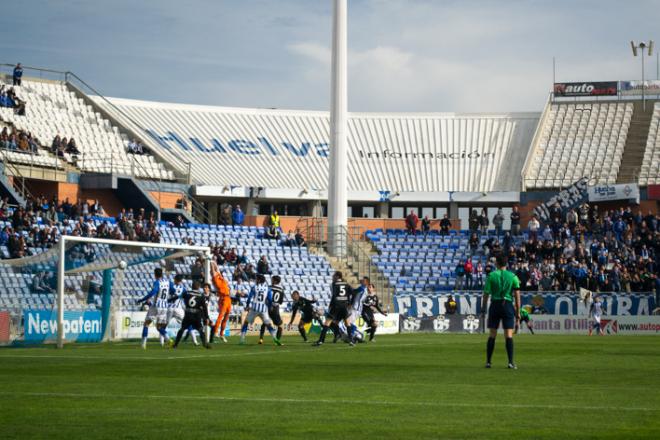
(558, 303)
(604, 193)
(634, 88)
(612, 325)
(601, 88)
(567, 198)
(41, 326)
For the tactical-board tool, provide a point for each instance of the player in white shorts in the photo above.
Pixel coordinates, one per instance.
(596, 311)
(157, 299)
(258, 303)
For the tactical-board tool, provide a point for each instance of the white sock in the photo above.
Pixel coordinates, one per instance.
(162, 340)
(144, 341)
(194, 337)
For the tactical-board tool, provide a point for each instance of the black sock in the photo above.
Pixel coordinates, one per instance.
(490, 347)
(279, 332)
(509, 349)
(261, 332)
(372, 333)
(531, 329)
(301, 330)
(324, 331)
(178, 337)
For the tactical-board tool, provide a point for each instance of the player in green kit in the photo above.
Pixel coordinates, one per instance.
(503, 287)
(524, 317)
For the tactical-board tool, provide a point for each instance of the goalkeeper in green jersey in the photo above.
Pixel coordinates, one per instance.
(524, 317)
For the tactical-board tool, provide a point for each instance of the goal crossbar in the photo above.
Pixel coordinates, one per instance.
(179, 249)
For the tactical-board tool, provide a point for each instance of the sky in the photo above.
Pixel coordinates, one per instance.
(404, 55)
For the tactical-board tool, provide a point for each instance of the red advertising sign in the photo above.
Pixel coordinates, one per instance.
(653, 192)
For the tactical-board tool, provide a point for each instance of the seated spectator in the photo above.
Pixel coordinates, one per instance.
(300, 240)
(263, 268)
(197, 271)
(290, 239)
(273, 233)
(243, 259)
(71, 147)
(450, 305)
(40, 283)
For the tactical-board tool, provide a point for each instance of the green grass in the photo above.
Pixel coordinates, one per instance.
(404, 386)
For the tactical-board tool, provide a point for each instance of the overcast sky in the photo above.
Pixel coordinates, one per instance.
(404, 55)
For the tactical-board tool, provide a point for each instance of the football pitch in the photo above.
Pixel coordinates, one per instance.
(404, 386)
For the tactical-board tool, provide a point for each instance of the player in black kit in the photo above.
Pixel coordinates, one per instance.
(342, 296)
(277, 293)
(307, 312)
(370, 304)
(195, 303)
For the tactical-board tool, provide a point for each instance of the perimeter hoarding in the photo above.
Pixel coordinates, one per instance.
(612, 325)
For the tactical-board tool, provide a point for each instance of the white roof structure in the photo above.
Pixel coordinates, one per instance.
(402, 152)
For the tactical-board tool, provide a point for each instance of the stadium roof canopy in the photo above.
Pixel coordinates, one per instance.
(288, 149)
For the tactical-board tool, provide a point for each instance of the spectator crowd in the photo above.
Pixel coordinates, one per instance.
(602, 251)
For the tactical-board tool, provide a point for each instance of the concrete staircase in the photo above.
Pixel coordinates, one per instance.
(633, 152)
(354, 270)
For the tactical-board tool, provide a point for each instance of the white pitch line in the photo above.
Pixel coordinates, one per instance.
(326, 401)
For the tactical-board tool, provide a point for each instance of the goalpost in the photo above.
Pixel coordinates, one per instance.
(72, 291)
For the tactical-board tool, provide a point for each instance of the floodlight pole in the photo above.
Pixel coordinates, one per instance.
(643, 47)
(643, 84)
(337, 188)
(61, 268)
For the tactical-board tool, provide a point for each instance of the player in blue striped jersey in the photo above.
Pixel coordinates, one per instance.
(258, 302)
(157, 299)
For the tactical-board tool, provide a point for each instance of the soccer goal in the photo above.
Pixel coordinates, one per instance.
(86, 289)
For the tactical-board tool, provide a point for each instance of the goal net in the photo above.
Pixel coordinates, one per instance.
(86, 289)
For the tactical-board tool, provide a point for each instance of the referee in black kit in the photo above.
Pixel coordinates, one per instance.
(504, 288)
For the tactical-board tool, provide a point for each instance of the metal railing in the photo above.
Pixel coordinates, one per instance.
(110, 161)
(18, 180)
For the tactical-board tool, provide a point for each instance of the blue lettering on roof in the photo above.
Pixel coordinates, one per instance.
(241, 146)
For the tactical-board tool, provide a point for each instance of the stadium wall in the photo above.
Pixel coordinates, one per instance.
(72, 191)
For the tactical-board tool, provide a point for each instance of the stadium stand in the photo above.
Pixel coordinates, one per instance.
(616, 250)
(650, 169)
(580, 140)
(52, 109)
(33, 287)
(423, 152)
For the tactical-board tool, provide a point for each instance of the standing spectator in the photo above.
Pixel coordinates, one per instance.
(18, 74)
(426, 225)
(225, 214)
(238, 217)
(445, 224)
(498, 222)
(460, 276)
(533, 227)
(411, 222)
(515, 221)
(275, 219)
(479, 276)
(468, 274)
(473, 221)
(483, 221)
